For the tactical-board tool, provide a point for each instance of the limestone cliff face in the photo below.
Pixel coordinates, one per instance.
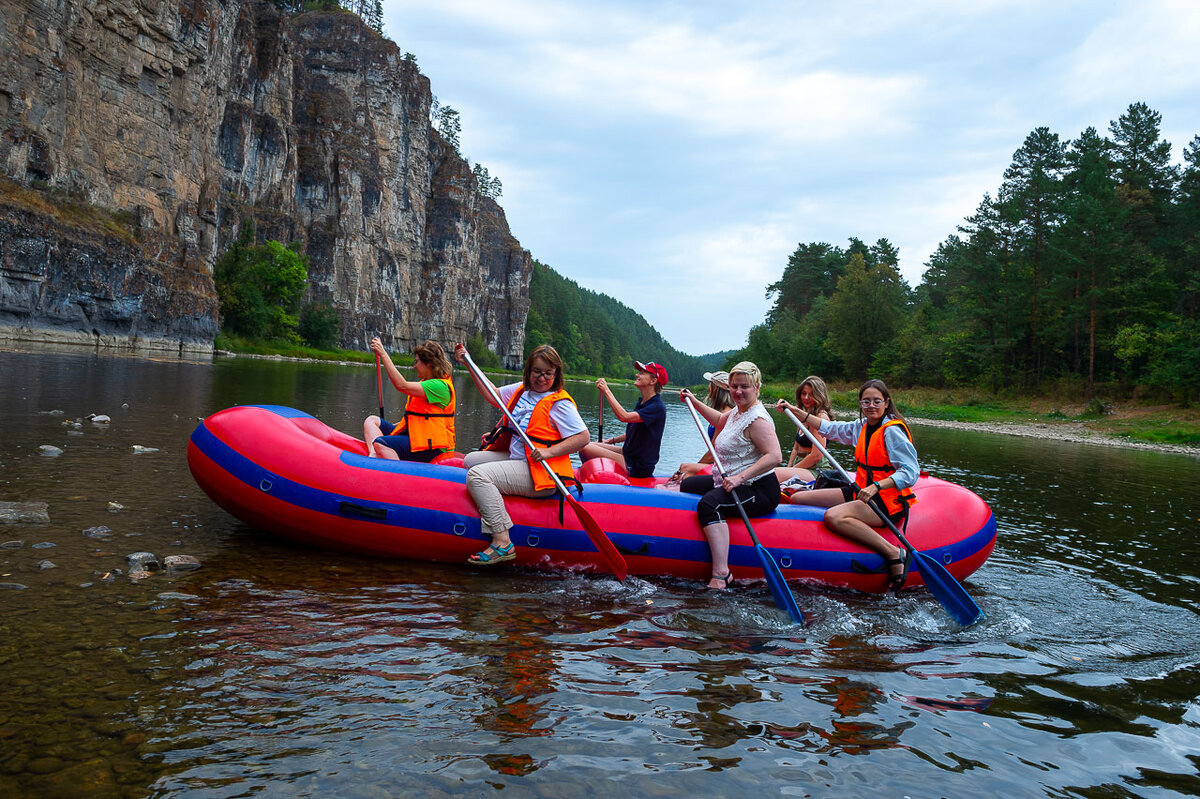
(173, 122)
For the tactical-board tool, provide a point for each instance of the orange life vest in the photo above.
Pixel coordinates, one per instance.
(875, 465)
(541, 430)
(428, 426)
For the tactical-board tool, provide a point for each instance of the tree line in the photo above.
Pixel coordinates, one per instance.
(1083, 271)
(597, 335)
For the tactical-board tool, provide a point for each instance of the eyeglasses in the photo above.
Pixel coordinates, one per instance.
(872, 403)
(543, 372)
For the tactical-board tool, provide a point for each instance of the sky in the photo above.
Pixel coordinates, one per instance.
(674, 154)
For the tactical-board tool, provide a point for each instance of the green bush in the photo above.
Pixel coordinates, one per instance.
(259, 287)
(319, 325)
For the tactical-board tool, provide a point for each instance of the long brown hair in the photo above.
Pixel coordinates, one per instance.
(550, 356)
(820, 393)
(432, 355)
(889, 407)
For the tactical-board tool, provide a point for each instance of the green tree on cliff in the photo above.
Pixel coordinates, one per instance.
(259, 287)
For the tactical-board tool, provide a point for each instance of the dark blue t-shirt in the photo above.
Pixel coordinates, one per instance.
(642, 439)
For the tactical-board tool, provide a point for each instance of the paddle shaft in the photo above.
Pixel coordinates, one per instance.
(883, 517)
(940, 582)
(600, 429)
(775, 580)
(379, 383)
(599, 539)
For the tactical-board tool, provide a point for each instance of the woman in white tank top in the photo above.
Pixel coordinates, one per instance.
(749, 450)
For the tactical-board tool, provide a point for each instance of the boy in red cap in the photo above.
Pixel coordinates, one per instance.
(639, 446)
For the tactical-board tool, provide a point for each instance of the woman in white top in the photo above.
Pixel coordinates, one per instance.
(749, 451)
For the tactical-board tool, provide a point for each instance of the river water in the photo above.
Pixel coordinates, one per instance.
(276, 670)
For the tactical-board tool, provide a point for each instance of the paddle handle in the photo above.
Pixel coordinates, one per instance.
(600, 429)
(820, 448)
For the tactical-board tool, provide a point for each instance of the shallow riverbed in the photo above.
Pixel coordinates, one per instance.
(280, 671)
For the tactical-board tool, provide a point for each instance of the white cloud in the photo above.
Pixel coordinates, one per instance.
(650, 151)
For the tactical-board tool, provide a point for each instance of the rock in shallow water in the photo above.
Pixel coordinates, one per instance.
(49, 450)
(142, 561)
(22, 512)
(100, 531)
(180, 563)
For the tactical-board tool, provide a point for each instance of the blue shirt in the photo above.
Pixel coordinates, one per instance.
(901, 451)
(643, 439)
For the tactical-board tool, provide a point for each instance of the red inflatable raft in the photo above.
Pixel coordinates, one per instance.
(288, 473)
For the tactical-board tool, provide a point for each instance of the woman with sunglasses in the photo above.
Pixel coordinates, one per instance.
(547, 414)
(887, 471)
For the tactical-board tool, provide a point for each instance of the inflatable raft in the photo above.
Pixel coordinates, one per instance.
(286, 472)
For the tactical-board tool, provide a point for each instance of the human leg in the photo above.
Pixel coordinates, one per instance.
(488, 482)
(373, 428)
(855, 521)
(597, 449)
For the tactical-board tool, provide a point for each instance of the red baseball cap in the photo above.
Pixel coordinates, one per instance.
(659, 373)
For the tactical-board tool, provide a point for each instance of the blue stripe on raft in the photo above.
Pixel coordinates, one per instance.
(282, 410)
(449, 474)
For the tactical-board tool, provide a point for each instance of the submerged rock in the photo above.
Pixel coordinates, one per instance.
(23, 512)
(98, 418)
(114, 506)
(180, 563)
(44, 545)
(144, 561)
(12, 587)
(12, 545)
(138, 449)
(47, 564)
(49, 450)
(99, 531)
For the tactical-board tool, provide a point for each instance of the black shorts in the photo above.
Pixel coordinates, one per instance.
(717, 505)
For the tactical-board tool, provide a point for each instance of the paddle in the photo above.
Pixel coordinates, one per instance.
(779, 587)
(600, 430)
(379, 383)
(941, 583)
(599, 539)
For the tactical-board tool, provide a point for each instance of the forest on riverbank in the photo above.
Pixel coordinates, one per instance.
(1081, 276)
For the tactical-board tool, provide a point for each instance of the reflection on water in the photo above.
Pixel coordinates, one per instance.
(279, 670)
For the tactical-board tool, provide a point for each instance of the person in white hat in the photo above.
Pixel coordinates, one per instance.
(638, 447)
(719, 400)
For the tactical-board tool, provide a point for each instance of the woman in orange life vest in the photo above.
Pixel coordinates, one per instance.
(549, 417)
(427, 429)
(887, 468)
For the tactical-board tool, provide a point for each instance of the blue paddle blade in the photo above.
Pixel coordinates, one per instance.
(779, 587)
(947, 590)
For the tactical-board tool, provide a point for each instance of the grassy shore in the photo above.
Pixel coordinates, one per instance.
(1143, 421)
(1168, 425)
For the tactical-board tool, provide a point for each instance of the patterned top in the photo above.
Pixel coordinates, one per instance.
(736, 451)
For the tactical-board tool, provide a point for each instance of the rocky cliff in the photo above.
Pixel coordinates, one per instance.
(135, 137)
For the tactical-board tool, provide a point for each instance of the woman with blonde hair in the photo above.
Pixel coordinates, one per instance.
(427, 427)
(748, 449)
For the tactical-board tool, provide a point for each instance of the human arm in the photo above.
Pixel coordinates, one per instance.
(711, 415)
(903, 456)
(572, 443)
(762, 433)
(813, 457)
(410, 387)
(482, 384)
(618, 410)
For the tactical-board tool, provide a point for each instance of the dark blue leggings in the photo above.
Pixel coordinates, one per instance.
(402, 446)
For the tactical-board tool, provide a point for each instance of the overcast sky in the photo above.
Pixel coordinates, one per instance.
(673, 154)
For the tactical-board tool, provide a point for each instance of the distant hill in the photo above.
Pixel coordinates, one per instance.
(597, 335)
